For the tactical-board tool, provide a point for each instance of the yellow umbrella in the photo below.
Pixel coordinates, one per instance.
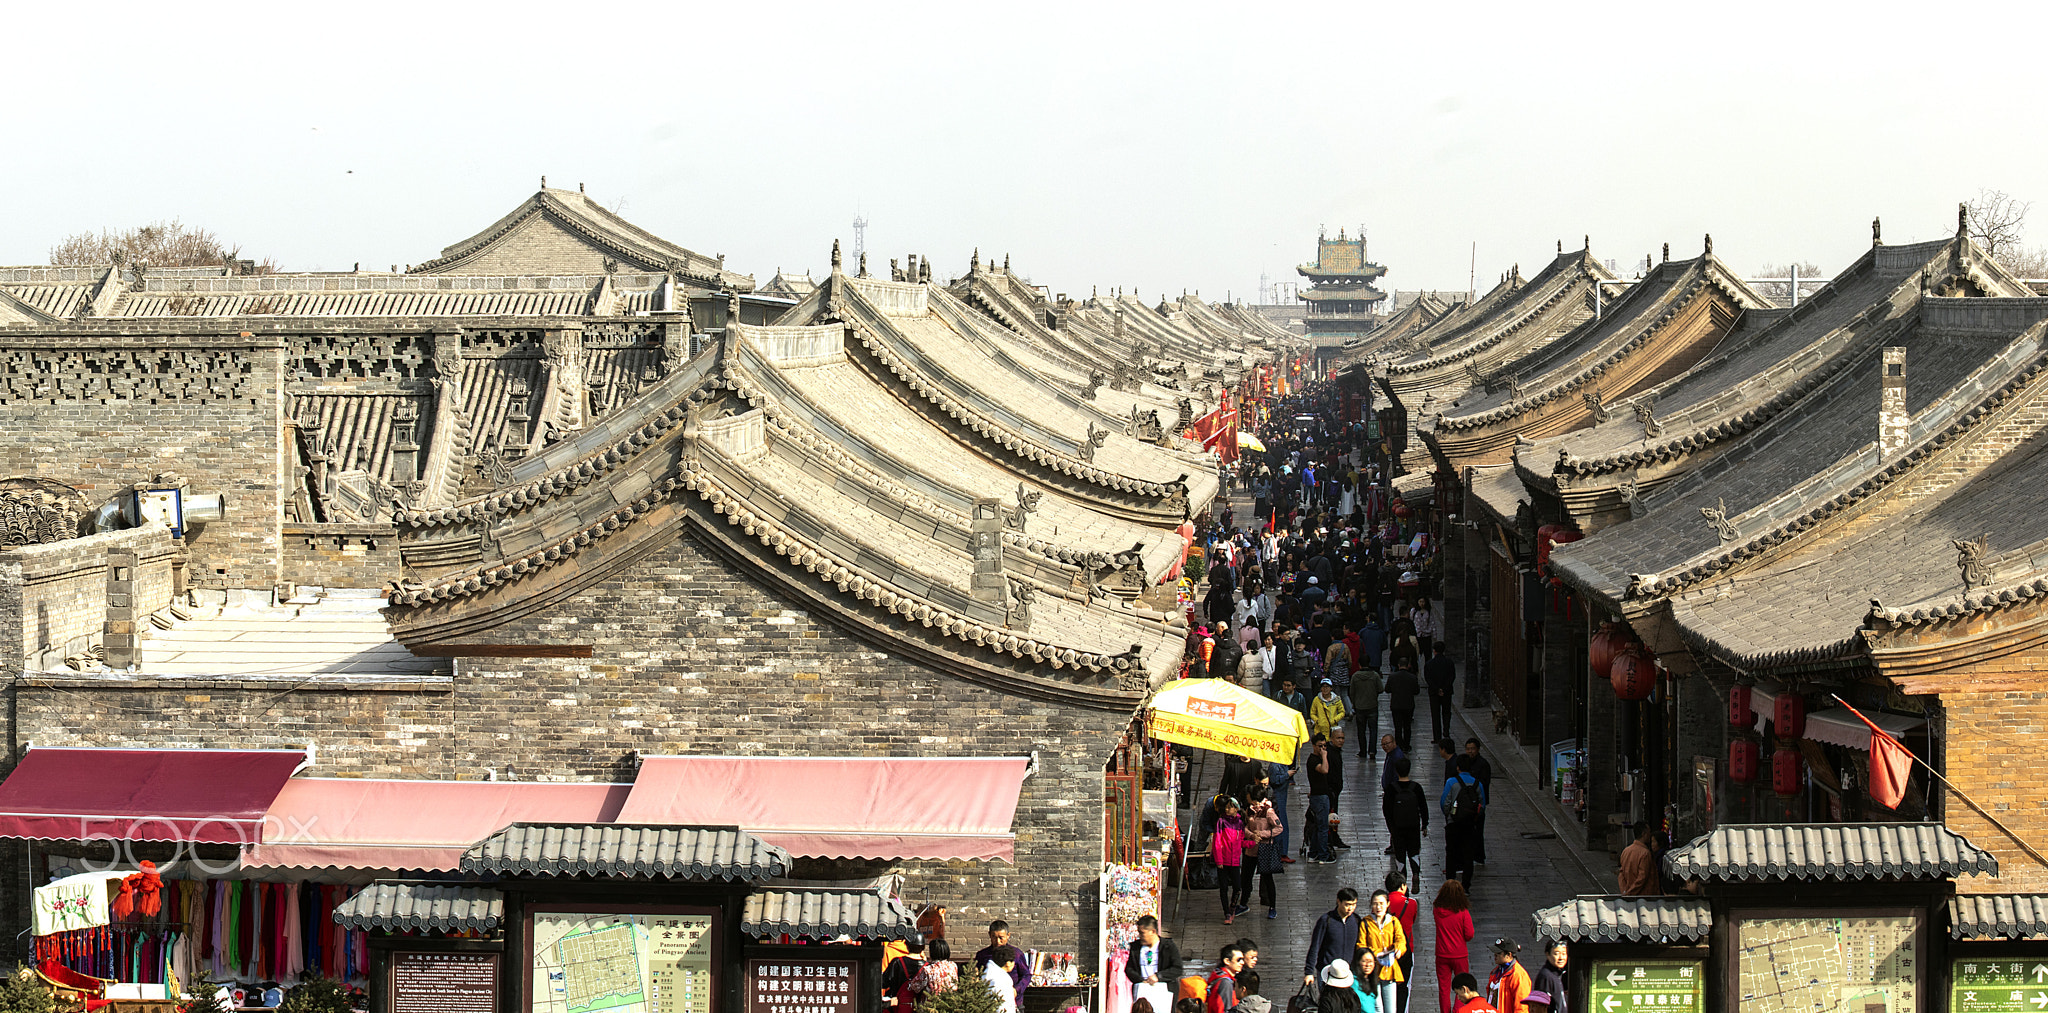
(1223, 716)
(1245, 439)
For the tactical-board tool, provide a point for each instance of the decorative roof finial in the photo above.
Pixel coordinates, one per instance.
(835, 254)
(1710, 245)
(1962, 220)
(1667, 253)
(579, 188)
(863, 263)
(1560, 247)
(543, 182)
(1006, 263)
(974, 262)
(1970, 560)
(1876, 232)
(1589, 241)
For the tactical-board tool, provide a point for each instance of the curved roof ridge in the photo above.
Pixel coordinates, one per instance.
(1555, 283)
(1845, 484)
(1673, 297)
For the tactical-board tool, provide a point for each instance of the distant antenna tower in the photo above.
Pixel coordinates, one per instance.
(860, 235)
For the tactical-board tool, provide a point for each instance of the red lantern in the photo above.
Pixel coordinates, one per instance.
(1632, 674)
(1399, 507)
(1600, 649)
(1739, 713)
(1788, 715)
(1742, 760)
(1785, 771)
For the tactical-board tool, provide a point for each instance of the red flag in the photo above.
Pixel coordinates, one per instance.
(1890, 763)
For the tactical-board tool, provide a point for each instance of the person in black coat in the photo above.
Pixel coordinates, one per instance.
(1168, 966)
(1335, 936)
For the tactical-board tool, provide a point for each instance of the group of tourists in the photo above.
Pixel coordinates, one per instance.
(926, 968)
(1363, 963)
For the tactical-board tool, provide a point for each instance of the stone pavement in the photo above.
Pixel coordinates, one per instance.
(1528, 868)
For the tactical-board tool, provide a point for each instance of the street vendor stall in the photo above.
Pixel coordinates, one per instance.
(1223, 716)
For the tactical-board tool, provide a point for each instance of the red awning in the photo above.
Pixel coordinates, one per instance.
(834, 807)
(211, 796)
(345, 823)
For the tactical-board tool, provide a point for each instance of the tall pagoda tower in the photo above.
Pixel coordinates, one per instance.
(1341, 297)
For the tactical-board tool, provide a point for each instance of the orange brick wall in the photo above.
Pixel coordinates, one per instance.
(1988, 758)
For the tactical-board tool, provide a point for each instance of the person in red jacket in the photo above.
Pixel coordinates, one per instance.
(1454, 932)
(1466, 988)
(1404, 907)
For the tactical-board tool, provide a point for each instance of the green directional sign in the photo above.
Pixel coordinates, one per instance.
(1617, 985)
(2005, 985)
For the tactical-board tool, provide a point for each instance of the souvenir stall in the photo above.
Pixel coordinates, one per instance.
(156, 928)
(1133, 876)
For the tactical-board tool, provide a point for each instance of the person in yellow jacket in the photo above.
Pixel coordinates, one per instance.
(1327, 710)
(1381, 945)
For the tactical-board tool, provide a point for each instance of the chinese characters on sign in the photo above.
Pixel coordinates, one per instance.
(444, 983)
(787, 985)
(1998, 986)
(1616, 985)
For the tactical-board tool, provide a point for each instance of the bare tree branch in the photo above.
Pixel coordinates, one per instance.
(1780, 292)
(1997, 222)
(159, 244)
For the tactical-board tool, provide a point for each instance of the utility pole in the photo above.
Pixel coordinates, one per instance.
(1472, 280)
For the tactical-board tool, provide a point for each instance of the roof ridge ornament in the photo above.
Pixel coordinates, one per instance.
(1717, 518)
(1651, 427)
(1962, 220)
(1709, 251)
(835, 256)
(1876, 232)
(1970, 560)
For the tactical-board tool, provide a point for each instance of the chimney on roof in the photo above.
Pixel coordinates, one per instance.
(1892, 418)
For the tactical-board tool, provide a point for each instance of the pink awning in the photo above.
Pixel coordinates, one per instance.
(345, 823)
(210, 796)
(841, 807)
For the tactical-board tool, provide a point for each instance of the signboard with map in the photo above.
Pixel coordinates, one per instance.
(1616, 985)
(2006, 985)
(1863, 961)
(623, 961)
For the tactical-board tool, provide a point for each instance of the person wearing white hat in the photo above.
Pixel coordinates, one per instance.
(1339, 993)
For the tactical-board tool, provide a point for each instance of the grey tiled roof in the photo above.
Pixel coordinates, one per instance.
(1625, 919)
(626, 851)
(1834, 851)
(826, 914)
(437, 907)
(1998, 916)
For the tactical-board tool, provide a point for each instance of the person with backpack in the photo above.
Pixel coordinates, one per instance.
(1324, 772)
(1222, 984)
(1154, 964)
(1248, 998)
(1406, 810)
(1226, 848)
(900, 972)
(1463, 800)
(1333, 939)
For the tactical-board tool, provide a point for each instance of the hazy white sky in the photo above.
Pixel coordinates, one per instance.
(1153, 146)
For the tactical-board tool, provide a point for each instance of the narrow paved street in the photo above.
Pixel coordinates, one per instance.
(1531, 860)
(1528, 867)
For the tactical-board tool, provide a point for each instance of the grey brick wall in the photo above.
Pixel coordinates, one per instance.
(689, 656)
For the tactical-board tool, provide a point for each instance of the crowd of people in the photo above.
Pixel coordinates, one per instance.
(1321, 600)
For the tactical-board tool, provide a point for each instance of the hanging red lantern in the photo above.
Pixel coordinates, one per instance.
(1632, 674)
(1600, 649)
(1785, 771)
(1739, 713)
(1743, 754)
(1788, 715)
(1399, 507)
(1562, 536)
